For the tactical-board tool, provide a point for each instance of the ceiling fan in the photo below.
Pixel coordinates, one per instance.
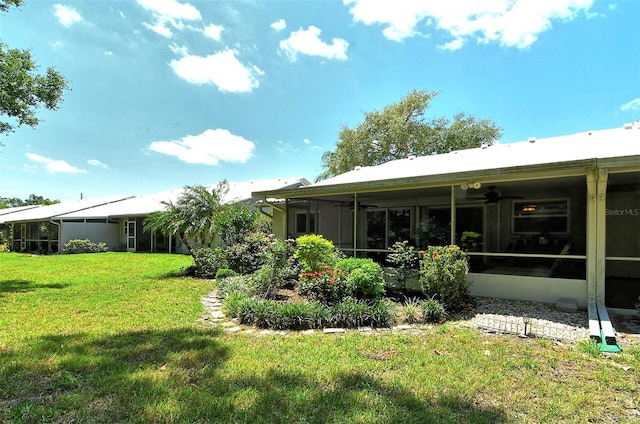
(492, 196)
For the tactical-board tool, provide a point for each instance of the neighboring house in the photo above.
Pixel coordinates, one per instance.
(35, 228)
(554, 219)
(115, 221)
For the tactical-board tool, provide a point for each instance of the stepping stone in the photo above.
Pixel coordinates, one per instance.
(233, 329)
(334, 330)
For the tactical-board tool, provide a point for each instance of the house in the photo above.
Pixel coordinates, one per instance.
(554, 219)
(116, 221)
(36, 230)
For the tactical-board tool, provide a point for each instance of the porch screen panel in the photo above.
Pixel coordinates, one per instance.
(622, 269)
(399, 225)
(376, 223)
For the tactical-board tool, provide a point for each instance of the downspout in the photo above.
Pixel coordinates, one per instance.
(600, 328)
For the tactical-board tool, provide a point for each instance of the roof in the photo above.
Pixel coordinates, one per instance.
(564, 155)
(43, 213)
(7, 211)
(148, 204)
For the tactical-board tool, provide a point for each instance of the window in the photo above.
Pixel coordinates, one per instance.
(540, 216)
(301, 222)
(385, 227)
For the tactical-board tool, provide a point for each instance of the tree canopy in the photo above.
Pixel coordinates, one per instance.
(401, 130)
(22, 89)
(12, 202)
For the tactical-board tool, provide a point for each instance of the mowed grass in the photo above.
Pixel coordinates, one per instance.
(117, 337)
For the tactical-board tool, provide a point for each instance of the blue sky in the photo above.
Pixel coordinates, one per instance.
(169, 93)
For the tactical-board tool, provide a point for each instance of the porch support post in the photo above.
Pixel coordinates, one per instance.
(601, 234)
(453, 215)
(355, 223)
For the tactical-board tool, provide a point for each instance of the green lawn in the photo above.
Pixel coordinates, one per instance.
(116, 337)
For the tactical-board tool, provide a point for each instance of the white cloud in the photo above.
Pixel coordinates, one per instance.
(279, 25)
(96, 162)
(213, 31)
(66, 15)
(308, 42)
(306, 141)
(208, 148)
(108, 53)
(54, 166)
(222, 69)
(511, 23)
(168, 13)
(179, 50)
(632, 105)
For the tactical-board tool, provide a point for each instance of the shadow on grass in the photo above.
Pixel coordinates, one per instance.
(189, 375)
(22, 286)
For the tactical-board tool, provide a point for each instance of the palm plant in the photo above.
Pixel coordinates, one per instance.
(192, 217)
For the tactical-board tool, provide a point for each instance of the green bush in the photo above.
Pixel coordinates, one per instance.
(234, 302)
(327, 286)
(350, 313)
(411, 310)
(315, 253)
(365, 279)
(248, 255)
(235, 284)
(83, 246)
(382, 313)
(404, 261)
(279, 254)
(266, 282)
(433, 311)
(443, 275)
(223, 273)
(209, 260)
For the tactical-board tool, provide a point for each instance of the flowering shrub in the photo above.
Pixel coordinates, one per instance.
(326, 285)
(314, 252)
(443, 276)
(279, 254)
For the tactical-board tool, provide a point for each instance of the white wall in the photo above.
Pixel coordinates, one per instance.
(534, 289)
(96, 232)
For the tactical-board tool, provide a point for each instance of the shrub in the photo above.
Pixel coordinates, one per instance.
(382, 313)
(315, 253)
(234, 284)
(411, 310)
(247, 256)
(4, 248)
(279, 254)
(404, 260)
(433, 311)
(364, 277)
(443, 275)
(223, 273)
(209, 260)
(349, 313)
(265, 282)
(326, 285)
(83, 246)
(233, 303)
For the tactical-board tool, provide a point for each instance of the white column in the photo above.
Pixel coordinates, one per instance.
(601, 232)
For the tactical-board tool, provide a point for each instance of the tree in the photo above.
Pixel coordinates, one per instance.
(12, 202)
(22, 89)
(192, 217)
(401, 130)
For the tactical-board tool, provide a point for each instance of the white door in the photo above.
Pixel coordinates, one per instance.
(131, 236)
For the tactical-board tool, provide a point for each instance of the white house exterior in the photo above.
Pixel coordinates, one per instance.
(557, 218)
